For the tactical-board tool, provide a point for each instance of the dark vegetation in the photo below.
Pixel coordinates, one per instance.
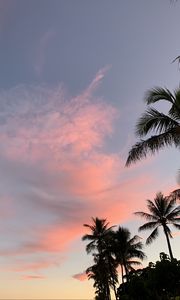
(115, 251)
(158, 281)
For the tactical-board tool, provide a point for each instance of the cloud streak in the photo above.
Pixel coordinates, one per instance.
(40, 56)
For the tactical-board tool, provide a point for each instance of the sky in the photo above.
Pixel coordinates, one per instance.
(72, 81)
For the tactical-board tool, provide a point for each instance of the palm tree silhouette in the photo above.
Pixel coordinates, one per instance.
(103, 280)
(99, 232)
(166, 126)
(126, 250)
(163, 212)
(99, 238)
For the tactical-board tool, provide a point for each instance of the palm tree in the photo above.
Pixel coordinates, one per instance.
(103, 280)
(98, 273)
(99, 238)
(126, 250)
(163, 212)
(100, 231)
(165, 126)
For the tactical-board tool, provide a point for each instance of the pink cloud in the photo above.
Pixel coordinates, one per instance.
(116, 204)
(56, 168)
(97, 80)
(80, 276)
(50, 127)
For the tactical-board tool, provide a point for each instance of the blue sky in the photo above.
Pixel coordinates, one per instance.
(72, 81)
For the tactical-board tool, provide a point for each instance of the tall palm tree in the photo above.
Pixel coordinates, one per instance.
(163, 212)
(103, 280)
(98, 272)
(127, 250)
(165, 126)
(99, 238)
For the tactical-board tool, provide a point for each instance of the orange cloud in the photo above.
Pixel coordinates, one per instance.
(80, 276)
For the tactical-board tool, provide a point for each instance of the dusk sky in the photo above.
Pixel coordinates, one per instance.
(72, 81)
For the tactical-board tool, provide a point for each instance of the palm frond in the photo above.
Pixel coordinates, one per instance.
(174, 213)
(174, 220)
(170, 206)
(158, 94)
(176, 193)
(177, 57)
(154, 207)
(161, 203)
(88, 237)
(152, 236)
(137, 254)
(149, 225)
(89, 226)
(176, 226)
(134, 240)
(153, 120)
(174, 111)
(145, 215)
(153, 144)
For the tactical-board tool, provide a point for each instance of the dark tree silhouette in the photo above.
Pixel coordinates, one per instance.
(99, 232)
(99, 237)
(159, 281)
(165, 126)
(99, 272)
(127, 250)
(163, 212)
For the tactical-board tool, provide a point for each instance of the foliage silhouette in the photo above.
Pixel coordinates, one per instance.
(110, 249)
(127, 250)
(99, 237)
(160, 281)
(166, 126)
(103, 280)
(163, 212)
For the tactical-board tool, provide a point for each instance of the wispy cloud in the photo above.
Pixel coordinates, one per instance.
(40, 53)
(56, 170)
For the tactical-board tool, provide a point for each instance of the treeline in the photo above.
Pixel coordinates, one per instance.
(159, 281)
(115, 253)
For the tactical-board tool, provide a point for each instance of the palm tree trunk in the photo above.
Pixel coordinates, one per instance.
(126, 269)
(111, 273)
(122, 273)
(108, 292)
(168, 242)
